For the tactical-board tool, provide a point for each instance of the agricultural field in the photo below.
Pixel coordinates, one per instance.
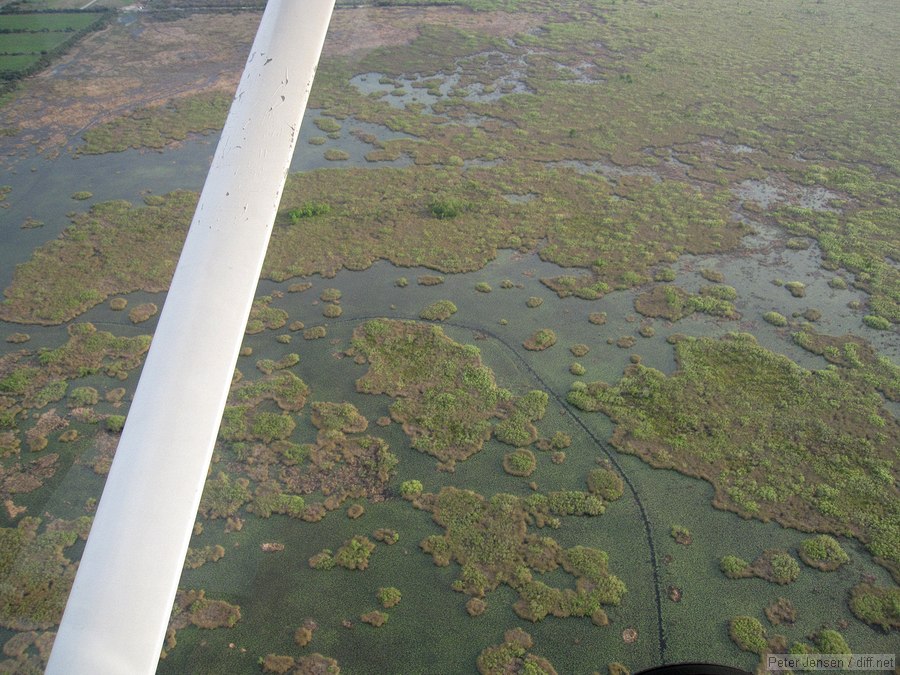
(30, 40)
(576, 348)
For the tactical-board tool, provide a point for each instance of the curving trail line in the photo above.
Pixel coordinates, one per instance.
(603, 445)
(573, 412)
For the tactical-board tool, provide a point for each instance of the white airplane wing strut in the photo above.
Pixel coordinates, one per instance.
(119, 608)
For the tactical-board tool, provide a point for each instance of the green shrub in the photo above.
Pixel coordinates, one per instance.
(269, 426)
(520, 462)
(447, 207)
(748, 634)
(785, 569)
(115, 423)
(664, 274)
(483, 287)
(411, 488)
(876, 605)
(84, 396)
(606, 482)
(876, 322)
(823, 552)
(354, 553)
(734, 567)
(388, 596)
(327, 124)
(776, 319)
(832, 642)
(438, 311)
(308, 209)
(797, 288)
(540, 340)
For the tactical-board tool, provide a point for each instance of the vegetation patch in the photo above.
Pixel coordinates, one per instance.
(512, 656)
(748, 634)
(36, 573)
(308, 210)
(193, 608)
(386, 535)
(315, 333)
(388, 596)
(796, 288)
(490, 541)
(353, 554)
(853, 240)
(446, 397)
(712, 275)
(268, 366)
(876, 605)
(429, 280)
(521, 462)
(682, 535)
(287, 390)
(804, 470)
(263, 316)
(197, 557)
(438, 311)
(781, 611)
(673, 303)
(579, 350)
(823, 552)
(857, 361)
(540, 340)
(33, 380)
(142, 312)
(375, 618)
(606, 483)
(158, 126)
(775, 565)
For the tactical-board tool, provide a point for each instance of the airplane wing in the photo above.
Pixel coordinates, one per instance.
(119, 608)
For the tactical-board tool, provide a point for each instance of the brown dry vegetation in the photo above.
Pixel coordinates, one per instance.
(126, 67)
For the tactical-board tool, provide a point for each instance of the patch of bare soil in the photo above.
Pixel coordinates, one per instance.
(122, 68)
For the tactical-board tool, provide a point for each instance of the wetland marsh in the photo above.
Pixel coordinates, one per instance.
(415, 477)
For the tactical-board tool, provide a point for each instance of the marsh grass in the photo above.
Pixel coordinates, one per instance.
(695, 420)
